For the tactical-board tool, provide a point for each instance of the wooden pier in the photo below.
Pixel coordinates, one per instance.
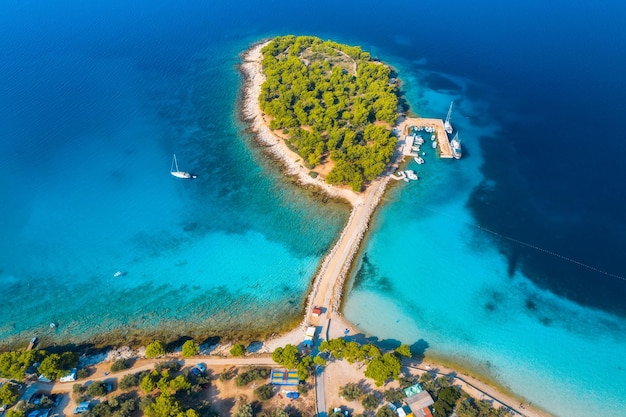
(443, 143)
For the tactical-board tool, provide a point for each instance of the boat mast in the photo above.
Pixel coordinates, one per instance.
(449, 112)
(174, 162)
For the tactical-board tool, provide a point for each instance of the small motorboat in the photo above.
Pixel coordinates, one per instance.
(119, 274)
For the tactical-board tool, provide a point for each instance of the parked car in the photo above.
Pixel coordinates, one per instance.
(196, 371)
(82, 408)
(201, 367)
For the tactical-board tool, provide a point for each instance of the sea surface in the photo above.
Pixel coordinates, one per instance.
(508, 261)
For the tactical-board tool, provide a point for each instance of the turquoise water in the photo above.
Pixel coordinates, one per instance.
(96, 97)
(440, 281)
(90, 126)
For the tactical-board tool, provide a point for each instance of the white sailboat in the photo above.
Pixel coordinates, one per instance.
(455, 144)
(178, 173)
(447, 124)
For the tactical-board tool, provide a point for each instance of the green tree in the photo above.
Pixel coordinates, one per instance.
(318, 360)
(264, 392)
(351, 391)
(8, 393)
(119, 365)
(14, 413)
(83, 373)
(180, 383)
(404, 350)
(155, 349)
(370, 402)
(149, 382)
(190, 348)
(165, 405)
(238, 350)
(279, 412)
(97, 389)
(128, 381)
(55, 366)
(446, 401)
(245, 410)
(13, 365)
(382, 368)
(393, 395)
(289, 356)
(385, 411)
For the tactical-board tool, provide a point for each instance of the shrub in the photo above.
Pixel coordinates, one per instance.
(83, 373)
(190, 348)
(385, 411)
(155, 349)
(171, 365)
(119, 365)
(393, 395)
(238, 350)
(78, 388)
(252, 374)
(97, 389)
(129, 381)
(227, 375)
(245, 410)
(407, 381)
(370, 402)
(264, 392)
(351, 391)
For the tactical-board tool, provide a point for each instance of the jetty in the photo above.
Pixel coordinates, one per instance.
(434, 126)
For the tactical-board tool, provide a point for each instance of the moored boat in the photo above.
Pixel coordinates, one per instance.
(455, 144)
(178, 173)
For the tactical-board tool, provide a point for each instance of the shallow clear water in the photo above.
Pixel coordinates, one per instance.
(95, 99)
(91, 126)
(443, 282)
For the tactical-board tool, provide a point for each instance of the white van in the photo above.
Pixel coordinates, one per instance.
(69, 377)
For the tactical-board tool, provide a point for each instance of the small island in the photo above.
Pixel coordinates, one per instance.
(333, 104)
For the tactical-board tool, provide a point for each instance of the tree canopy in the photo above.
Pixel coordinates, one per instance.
(155, 349)
(190, 348)
(8, 393)
(333, 101)
(55, 366)
(13, 365)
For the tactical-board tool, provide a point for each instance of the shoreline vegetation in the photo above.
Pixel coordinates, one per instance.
(327, 287)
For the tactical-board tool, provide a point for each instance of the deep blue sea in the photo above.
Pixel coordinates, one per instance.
(508, 260)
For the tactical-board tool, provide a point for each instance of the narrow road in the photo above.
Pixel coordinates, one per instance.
(320, 395)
